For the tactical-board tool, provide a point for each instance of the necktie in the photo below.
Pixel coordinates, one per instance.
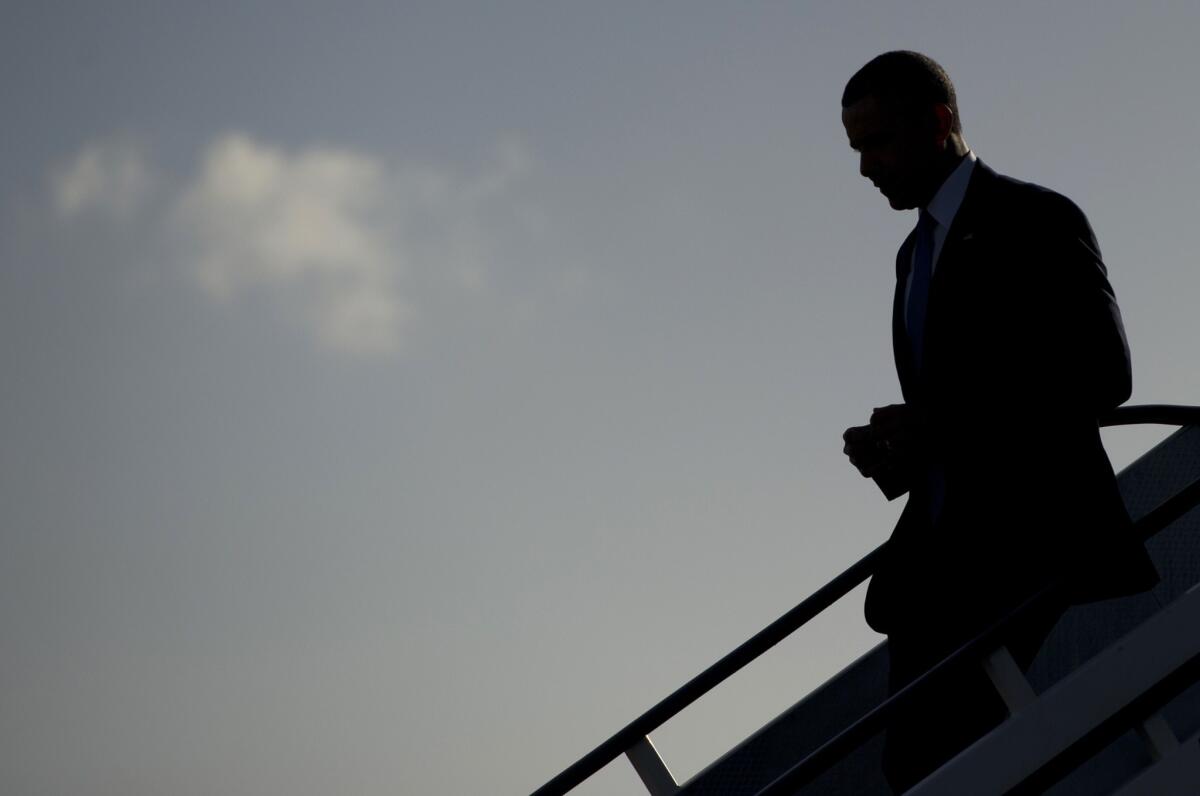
(918, 290)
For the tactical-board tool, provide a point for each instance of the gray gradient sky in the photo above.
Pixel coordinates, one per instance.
(399, 398)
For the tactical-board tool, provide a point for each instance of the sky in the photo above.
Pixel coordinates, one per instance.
(402, 397)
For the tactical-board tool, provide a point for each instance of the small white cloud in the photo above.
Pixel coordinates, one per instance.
(111, 176)
(339, 231)
(354, 249)
(306, 224)
(259, 216)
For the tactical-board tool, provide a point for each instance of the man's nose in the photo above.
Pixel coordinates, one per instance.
(866, 166)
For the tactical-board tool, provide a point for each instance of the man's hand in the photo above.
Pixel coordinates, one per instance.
(888, 444)
(898, 429)
(864, 451)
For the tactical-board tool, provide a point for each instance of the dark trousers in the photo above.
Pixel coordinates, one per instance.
(956, 710)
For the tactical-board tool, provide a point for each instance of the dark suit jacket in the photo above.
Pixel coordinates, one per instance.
(1024, 347)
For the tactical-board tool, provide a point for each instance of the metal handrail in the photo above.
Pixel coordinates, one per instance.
(793, 620)
(1158, 414)
(702, 683)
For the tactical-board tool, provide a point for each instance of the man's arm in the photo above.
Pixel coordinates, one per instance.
(1086, 348)
(1058, 345)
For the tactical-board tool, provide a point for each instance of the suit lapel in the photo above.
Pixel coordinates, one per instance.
(962, 229)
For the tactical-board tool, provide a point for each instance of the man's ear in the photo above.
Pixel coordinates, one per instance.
(943, 123)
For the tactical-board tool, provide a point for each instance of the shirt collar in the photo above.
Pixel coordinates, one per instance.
(945, 203)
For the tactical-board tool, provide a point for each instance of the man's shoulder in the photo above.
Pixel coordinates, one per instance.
(1027, 203)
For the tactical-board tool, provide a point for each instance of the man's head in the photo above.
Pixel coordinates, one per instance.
(901, 114)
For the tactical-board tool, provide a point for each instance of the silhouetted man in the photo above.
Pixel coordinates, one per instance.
(1008, 344)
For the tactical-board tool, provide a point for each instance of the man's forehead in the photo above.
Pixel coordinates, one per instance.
(863, 118)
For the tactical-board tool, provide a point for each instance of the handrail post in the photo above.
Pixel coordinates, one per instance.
(1010, 682)
(1158, 736)
(650, 767)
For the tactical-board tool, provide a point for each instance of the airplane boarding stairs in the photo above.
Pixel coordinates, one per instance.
(1111, 704)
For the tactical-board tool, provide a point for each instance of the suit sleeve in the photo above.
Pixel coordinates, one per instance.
(1084, 359)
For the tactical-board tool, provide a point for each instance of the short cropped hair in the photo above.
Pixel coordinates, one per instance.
(908, 80)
